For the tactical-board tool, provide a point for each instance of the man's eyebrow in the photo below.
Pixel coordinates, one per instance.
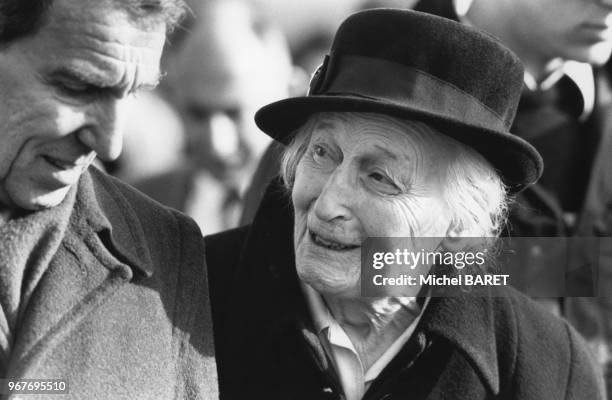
(77, 76)
(152, 84)
(97, 81)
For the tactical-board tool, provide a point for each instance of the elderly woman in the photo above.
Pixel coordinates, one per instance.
(404, 134)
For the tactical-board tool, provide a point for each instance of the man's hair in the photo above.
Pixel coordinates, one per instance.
(19, 18)
(474, 191)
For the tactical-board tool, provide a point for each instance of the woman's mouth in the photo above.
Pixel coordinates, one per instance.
(329, 243)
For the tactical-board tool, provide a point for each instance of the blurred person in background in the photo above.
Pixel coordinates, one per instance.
(153, 140)
(309, 52)
(231, 62)
(154, 137)
(566, 113)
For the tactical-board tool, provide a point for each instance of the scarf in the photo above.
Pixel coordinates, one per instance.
(28, 243)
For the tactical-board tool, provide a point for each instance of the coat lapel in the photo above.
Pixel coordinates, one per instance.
(103, 249)
(471, 331)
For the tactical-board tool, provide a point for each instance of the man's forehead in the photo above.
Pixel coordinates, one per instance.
(100, 41)
(105, 19)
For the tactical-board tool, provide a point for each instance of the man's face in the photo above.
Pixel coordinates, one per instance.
(62, 93)
(579, 30)
(224, 72)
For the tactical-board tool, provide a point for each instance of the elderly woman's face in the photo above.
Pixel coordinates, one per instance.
(363, 175)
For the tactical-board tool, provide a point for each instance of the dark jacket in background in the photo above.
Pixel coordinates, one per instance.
(122, 311)
(462, 348)
(539, 209)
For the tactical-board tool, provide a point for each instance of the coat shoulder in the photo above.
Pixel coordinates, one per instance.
(152, 214)
(166, 239)
(539, 335)
(171, 188)
(168, 247)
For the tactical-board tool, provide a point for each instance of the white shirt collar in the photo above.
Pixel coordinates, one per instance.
(326, 325)
(582, 76)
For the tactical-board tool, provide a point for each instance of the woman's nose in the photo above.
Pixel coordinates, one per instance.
(334, 201)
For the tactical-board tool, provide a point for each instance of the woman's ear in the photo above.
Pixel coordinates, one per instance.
(454, 240)
(458, 239)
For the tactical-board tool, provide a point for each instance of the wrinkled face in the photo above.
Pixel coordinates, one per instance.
(578, 30)
(62, 93)
(363, 175)
(224, 72)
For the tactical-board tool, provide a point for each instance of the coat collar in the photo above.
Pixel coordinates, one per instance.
(468, 324)
(111, 215)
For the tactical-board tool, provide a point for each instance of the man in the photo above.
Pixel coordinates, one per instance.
(565, 113)
(92, 290)
(233, 62)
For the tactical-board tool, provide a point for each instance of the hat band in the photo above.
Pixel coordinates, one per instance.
(404, 86)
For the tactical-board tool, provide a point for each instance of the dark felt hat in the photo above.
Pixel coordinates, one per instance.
(412, 65)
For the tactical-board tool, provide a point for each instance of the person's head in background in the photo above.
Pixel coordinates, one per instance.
(232, 62)
(311, 49)
(545, 32)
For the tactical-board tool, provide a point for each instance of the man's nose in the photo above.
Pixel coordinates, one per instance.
(104, 134)
(334, 201)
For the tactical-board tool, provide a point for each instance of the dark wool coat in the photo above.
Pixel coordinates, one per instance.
(122, 312)
(462, 348)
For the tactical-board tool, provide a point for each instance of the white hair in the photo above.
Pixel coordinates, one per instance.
(474, 191)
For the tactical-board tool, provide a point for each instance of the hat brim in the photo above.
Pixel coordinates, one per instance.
(517, 162)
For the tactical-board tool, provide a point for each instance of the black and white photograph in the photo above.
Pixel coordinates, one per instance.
(306, 200)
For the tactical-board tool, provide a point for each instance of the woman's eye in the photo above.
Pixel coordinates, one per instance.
(325, 157)
(319, 151)
(320, 154)
(378, 177)
(383, 183)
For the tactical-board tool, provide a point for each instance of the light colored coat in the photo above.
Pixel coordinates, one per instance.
(122, 312)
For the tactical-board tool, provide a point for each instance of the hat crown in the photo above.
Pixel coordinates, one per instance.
(456, 55)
